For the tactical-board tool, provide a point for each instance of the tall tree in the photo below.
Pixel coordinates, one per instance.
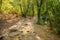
(52, 12)
(39, 4)
(32, 9)
(0, 5)
(25, 11)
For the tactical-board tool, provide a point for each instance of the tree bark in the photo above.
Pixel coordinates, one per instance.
(39, 4)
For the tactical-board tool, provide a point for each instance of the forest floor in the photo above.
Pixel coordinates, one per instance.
(18, 28)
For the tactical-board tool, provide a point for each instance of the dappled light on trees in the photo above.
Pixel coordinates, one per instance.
(33, 18)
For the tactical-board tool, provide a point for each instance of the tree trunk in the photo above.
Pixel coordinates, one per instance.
(0, 5)
(27, 7)
(39, 4)
(32, 10)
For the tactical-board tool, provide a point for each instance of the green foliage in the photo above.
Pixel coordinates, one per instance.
(57, 18)
(54, 12)
(45, 10)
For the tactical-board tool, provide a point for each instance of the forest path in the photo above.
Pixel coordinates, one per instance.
(27, 29)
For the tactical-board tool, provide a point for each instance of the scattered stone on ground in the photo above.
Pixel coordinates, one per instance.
(26, 29)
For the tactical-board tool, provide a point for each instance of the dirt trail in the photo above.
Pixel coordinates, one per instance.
(27, 29)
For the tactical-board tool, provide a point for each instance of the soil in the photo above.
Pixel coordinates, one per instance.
(19, 28)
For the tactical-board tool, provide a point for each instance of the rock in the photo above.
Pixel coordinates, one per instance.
(1, 38)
